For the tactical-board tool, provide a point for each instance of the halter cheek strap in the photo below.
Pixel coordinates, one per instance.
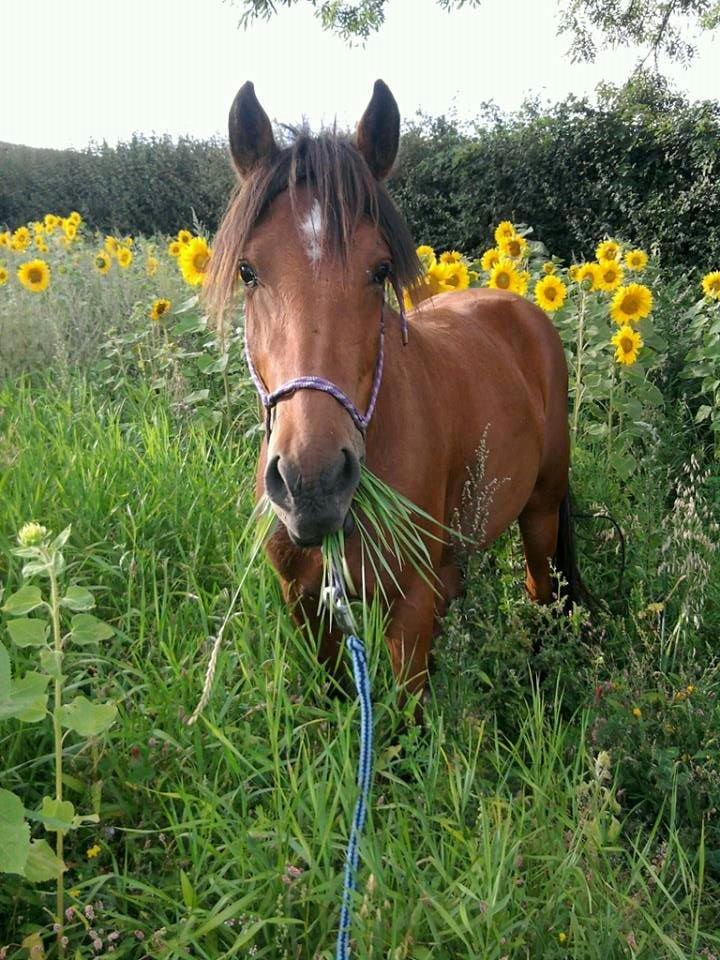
(361, 420)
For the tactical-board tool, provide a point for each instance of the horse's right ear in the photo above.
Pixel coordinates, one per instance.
(251, 137)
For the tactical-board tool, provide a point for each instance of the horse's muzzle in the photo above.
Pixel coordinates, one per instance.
(313, 505)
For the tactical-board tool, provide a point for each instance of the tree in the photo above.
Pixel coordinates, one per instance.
(655, 26)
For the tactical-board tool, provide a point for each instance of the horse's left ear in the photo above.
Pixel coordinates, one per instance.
(251, 137)
(378, 133)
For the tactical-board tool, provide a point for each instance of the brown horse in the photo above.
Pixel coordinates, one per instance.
(479, 387)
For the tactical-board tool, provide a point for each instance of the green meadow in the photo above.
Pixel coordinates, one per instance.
(561, 798)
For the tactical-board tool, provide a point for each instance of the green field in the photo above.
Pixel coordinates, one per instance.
(557, 803)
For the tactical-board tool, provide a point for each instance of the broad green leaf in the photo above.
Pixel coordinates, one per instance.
(24, 699)
(26, 599)
(35, 567)
(57, 814)
(86, 718)
(28, 633)
(703, 413)
(51, 662)
(61, 539)
(14, 834)
(42, 864)
(195, 396)
(85, 628)
(78, 598)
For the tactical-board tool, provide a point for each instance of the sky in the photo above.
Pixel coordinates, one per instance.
(94, 71)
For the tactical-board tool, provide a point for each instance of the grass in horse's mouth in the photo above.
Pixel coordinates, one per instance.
(390, 531)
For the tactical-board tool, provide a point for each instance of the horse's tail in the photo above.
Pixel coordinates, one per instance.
(565, 559)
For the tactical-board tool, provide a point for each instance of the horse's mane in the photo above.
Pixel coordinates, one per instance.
(346, 191)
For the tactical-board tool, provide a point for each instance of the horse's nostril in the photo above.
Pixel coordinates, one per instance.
(351, 469)
(291, 476)
(275, 481)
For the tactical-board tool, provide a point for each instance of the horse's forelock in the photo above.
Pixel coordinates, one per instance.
(346, 192)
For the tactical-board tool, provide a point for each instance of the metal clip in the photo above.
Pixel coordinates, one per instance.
(335, 601)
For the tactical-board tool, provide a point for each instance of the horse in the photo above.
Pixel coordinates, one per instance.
(420, 397)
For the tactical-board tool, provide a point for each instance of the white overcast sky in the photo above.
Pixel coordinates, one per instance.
(98, 70)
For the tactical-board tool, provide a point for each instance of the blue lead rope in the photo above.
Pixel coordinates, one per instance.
(364, 778)
(336, 600)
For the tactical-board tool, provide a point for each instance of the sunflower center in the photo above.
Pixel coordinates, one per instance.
(503, 280)
(715, 285)
(627, 345)
(35, 275)
(609, 275)
(200, 261)
(161, 308)
(630, 304)
(550, 293)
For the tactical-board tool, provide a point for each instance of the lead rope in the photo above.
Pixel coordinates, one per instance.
(335, 600)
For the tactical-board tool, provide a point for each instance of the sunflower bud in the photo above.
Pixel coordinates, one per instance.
(32, 535)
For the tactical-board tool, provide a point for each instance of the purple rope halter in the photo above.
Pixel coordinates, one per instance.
(361, 420)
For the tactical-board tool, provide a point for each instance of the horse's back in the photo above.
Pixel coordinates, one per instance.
(504, 386)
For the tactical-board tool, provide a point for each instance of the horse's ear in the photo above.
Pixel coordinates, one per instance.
(378, 133)
(251, 137)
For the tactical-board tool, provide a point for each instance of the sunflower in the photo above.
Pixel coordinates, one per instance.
(75, 218)
(51, 222)
(490, 258)
(159, 308)
(34, 275)
(38, 228)
(102, 261)
(504, 276)
(711, 285)
(550, 293)
(174, 248)
(5, 239)
(124, 257)
(426, 255)
(111, 245)
(513, 247)
(608, 250)
(608, 275)
(184, 236)
(631, 303)
(636, 259)
(69, 229)
(451, 256)
(21, 239)
(548, 267)
(457, 275)
(627, 343)
(587, 271)
(504, 230)
(4, 276)
(194, 260)
(435, 279)
(151, 265)
(41, 245)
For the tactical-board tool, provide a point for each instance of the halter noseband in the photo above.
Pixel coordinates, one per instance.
(361, 420)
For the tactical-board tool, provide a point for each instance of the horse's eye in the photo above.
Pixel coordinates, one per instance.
(247, 274)
(381, 272)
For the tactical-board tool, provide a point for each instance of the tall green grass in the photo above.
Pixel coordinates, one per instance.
(226, 839)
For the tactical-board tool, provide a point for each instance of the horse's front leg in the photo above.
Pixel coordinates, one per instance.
(409, 636)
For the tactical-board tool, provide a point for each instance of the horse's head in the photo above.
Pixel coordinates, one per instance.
(314, 237)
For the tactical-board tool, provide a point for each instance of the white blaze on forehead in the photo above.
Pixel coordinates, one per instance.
(311, 232)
